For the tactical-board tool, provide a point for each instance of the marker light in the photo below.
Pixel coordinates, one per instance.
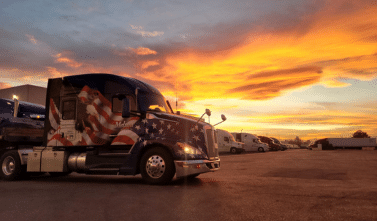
(15, 97)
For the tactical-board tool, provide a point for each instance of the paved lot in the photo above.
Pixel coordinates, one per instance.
(289, 185)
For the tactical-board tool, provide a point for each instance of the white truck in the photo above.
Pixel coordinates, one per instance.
(226, 142)
(251, 142)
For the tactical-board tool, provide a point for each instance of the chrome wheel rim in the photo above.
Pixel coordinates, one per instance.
(155, 166)
(8, 165)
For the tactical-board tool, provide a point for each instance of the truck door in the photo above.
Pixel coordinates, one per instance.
(248, 142)
(68, 107)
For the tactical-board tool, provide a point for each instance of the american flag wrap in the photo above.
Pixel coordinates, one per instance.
(103, 123)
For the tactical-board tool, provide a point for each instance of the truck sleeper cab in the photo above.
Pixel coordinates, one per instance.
(251, 141)
(107, 124)
(227, 143)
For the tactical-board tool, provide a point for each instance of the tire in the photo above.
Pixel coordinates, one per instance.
(233, 150)
(157, 166)
(260, 149)
(11, 166)
(59, 174)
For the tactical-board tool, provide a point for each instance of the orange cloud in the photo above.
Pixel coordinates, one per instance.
(31, 39)
(69, 62)
(143, 51)
(4, 85)
(328, 45)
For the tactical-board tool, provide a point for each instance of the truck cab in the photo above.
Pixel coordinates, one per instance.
(108, 124)
(272, 145)
(282, 146)
(251, 142)
(227, 143)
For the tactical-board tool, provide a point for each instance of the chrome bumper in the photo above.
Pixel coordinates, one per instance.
(189, 167)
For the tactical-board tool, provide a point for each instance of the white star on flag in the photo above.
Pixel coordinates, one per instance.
(154, 125)
(196, 137)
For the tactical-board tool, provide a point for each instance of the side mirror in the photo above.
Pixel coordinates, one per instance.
(126, 112)
(208, 112)
(223, 117)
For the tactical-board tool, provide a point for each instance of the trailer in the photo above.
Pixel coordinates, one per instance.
(352, 143)
(343, 143)
(104, 124)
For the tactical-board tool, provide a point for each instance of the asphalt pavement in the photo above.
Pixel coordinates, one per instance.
(283, 185)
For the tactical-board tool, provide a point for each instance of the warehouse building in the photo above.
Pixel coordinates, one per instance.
(28, 93)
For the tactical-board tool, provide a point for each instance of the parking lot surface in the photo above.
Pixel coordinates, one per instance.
(283, 185)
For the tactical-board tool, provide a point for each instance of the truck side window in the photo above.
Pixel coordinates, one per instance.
(226, 139)
(238, 137)
(69, 110)
(117, 105)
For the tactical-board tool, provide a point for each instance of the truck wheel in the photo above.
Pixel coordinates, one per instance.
(157, 166)
(233, 150)
(260, 149)
(10, 166)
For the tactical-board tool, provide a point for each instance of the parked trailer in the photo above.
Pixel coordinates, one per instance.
(105, 124)
(348, 143)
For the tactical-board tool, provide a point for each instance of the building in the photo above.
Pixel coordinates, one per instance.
(28, 93)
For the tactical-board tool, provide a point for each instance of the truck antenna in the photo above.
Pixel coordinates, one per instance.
(176, 101)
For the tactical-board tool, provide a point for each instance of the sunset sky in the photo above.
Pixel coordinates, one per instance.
(277, 68)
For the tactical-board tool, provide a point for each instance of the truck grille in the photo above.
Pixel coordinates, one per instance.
(213, 151)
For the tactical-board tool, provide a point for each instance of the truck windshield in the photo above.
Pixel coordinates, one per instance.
(152, 102)
(231, 137)
(276, 140)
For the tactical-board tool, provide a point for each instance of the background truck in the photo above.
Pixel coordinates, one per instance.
(227, 143)
(282, 146)
(270, 142)
(251, 142)
(106, 124)
(344, 143)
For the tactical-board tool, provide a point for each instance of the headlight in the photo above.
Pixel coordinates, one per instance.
(189, 149)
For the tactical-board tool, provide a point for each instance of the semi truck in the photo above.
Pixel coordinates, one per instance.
(270, 142)
(226, 142)
(109, 125)
(251, 141)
